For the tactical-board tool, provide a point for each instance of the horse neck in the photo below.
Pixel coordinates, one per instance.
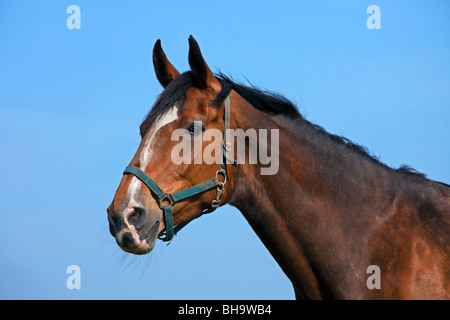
(302, 213)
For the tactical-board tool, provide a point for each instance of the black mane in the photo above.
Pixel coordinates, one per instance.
(269, 102)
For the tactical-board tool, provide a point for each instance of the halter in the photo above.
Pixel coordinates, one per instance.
(166, 200)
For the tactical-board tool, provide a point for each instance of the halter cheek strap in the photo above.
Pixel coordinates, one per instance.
(166, 200)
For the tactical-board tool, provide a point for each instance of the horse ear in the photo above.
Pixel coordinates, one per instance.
(200, 69)
(165, 71)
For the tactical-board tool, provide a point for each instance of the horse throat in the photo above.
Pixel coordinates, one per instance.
(299, 216)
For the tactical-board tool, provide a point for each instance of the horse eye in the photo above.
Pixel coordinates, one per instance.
(196, 128)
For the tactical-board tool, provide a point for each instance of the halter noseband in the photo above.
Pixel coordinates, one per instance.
(166, 200)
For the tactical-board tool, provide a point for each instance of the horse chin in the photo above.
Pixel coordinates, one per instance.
(141, 249)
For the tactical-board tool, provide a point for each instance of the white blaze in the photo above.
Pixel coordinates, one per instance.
(147, 150)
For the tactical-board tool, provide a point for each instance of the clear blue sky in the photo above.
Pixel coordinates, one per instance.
(71, 102)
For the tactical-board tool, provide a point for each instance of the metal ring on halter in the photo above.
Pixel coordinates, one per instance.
(166, 197)
(215, 203)
(224, 174)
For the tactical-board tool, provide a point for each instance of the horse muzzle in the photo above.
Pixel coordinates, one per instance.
(134, 229)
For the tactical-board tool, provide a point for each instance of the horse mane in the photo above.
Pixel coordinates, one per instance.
(277, 104)
(269, 102)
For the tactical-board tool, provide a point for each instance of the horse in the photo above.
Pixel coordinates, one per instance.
(330, 215)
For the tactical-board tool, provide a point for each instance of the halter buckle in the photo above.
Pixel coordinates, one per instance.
(166, 197)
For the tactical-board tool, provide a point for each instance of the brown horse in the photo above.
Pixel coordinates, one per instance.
(340, 223)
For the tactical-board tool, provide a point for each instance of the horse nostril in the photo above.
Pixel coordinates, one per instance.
(136, 217)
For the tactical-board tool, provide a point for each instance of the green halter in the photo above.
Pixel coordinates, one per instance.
(166, 200)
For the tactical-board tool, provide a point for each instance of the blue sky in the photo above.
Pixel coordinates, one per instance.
(71, 102)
